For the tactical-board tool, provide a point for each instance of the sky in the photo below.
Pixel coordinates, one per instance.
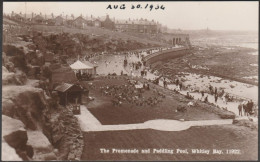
(176, 15)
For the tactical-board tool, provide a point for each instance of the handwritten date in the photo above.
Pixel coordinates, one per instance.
(138, 6)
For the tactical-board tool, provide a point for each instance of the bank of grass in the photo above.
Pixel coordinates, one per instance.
(103, 109)
(205, 137)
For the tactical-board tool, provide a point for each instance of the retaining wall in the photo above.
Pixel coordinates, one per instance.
(168, 54)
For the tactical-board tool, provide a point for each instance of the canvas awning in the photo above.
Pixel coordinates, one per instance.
(78, 65)
(89, 64)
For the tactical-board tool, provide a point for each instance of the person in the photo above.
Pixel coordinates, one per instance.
(180, 86)
(202, 94)
(157, 81)
(210, 88)
(206, 99)
(188, 95)
(255, 111)
(142, 73)
(122, 73)
(240, 109)
(222, 92)
(244, 107)
(216, 90)
(250, 105)
(216, 98)
(177, 82)
(164, 83)
(224, 99)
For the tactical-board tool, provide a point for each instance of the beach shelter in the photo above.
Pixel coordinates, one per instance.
(69, 93)
(93, 66)
(80, 66)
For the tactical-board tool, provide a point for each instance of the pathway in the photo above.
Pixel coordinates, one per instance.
(89, 123)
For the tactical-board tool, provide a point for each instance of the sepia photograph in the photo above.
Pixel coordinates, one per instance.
(130, 81)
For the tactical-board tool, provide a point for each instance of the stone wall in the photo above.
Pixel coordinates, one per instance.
(166, 55)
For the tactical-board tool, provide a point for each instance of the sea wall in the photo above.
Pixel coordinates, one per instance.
(168, 54)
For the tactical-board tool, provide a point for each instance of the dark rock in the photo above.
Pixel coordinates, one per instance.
(17, 139)
(13, 132)
(29, 151)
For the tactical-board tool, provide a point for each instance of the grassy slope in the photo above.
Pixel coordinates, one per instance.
(208, 137)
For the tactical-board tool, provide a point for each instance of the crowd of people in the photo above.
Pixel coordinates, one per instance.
(134, 61)
(247, 108)
(130, 93)
(84, 76)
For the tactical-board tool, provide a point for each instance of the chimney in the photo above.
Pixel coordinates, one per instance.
(52, 15)
(12, 14)
(32, 15)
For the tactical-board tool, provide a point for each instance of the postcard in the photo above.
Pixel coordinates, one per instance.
(130, 80)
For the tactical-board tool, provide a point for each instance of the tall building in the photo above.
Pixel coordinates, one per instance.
(138, 26)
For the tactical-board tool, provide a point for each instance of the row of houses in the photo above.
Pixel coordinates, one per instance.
(136, 25)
